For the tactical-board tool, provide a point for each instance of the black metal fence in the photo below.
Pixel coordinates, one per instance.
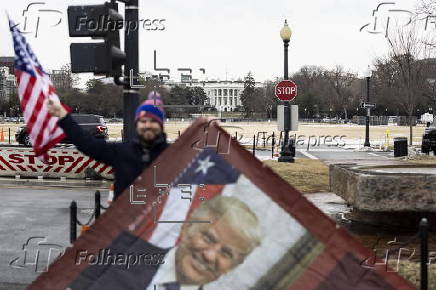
(74, 221)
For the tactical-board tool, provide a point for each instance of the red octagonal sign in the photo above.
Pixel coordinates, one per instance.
(286, 90)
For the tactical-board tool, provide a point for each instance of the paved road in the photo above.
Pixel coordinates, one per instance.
(35, 211)
(331, 153)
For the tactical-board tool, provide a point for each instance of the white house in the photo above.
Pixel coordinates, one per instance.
(223, 95)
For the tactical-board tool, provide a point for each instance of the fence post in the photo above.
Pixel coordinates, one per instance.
(9, 136)
(73, 221)
(236, 136)
(272, 145)
(423, 234)
(280, 139)
(179, 133)
(97, 206)
(254, 145)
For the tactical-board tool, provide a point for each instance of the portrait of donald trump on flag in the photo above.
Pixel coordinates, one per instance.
(222, 233)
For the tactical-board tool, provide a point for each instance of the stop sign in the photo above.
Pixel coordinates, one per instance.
(286, 90)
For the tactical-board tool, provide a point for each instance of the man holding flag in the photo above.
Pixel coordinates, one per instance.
(48, 122)
(128, 159)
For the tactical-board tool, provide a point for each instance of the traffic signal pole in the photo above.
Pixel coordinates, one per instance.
(106, 58)
(130, 95)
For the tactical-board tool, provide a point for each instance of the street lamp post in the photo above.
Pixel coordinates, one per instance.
(434, 102)
(285, 154)
(368, 110)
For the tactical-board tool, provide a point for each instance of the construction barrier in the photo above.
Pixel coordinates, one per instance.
(65, 162)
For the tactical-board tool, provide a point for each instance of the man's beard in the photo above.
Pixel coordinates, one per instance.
(146, 137)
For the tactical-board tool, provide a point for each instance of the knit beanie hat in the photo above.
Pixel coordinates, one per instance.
(149, 109)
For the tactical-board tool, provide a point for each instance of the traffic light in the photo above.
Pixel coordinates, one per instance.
(98, 22)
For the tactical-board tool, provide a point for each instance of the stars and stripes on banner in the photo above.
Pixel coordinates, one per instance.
(216, 218)
(34, 88)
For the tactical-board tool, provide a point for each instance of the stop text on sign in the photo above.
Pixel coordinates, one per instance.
(286, 90)
(31, 159)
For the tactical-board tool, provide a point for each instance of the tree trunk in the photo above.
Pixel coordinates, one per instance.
(345, 114)
(410, 130)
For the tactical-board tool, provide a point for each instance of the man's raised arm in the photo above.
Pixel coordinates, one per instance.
(98, 149)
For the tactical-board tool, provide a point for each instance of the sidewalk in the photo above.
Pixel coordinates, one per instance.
(61, 183)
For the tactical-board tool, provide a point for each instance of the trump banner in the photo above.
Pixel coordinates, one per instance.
(208, 215)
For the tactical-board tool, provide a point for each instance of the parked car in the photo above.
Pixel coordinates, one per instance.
(93, 124)
(429, 140)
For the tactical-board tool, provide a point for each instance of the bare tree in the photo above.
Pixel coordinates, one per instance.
(408, 62)
(313, 89)
(384, 81)
(425, 8)
(72, 77)
(342, 95)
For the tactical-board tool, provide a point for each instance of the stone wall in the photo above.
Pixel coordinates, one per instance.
(367, 189)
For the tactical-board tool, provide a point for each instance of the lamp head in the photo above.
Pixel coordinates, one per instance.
(286, 32)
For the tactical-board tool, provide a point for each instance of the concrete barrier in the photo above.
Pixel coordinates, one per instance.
(386, 188)
(63, 162)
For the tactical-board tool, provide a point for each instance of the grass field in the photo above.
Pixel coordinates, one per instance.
(306, 175)
(350, 131)
(249, 129)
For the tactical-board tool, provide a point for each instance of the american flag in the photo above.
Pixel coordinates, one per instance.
(34, 88)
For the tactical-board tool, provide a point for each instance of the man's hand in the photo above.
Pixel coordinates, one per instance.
(55, 108)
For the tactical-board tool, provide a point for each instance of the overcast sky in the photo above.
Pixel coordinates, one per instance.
(226, 37)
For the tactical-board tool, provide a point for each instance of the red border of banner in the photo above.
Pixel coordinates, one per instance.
(124, 216)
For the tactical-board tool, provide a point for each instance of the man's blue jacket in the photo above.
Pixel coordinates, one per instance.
(128, 159)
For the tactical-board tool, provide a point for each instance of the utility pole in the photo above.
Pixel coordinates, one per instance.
(368, 109)
(130, 94)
